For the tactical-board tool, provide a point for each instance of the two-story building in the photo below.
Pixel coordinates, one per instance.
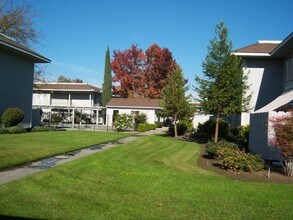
(17, 74)
(68, 100)
(269, 65)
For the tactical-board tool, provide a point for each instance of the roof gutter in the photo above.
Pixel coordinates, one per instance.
(142, 107)
(241, 54)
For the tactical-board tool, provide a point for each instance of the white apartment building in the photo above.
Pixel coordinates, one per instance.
(68, 99)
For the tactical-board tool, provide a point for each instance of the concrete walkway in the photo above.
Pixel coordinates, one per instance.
(17, 172)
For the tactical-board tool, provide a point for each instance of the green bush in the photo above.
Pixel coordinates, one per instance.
(212, 147)
(43, 129)
(146, 127)
(237, 160)
(78, 117)
(16, 130)
(241, 136)
(55, 118)
(122, 122)
(182, 128)
(159, 124)
(140, 119)
(12, 117)
(3, 131)
(205, 132)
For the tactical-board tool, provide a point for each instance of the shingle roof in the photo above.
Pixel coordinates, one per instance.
(66, 87)
(6, 42)
(135, 102)
(258, 48)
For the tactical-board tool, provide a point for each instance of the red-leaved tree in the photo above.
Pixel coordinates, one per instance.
(283, 139)
(139, 74)
(159, 66)
(128, 68)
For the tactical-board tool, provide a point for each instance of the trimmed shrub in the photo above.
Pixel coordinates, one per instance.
(56, 118)
(212, 147)
(3, 131)
(140, 119)
(43, 129)
(12, 117)
(241, 136)
(146, 127)
(159, 124)
(16, 130)
(182, 128)
(205, 132)
(122, 122)
(237, 160)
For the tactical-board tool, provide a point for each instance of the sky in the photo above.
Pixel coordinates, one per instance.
(76, 33)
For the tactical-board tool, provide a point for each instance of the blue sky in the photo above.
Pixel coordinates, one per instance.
(76, 33)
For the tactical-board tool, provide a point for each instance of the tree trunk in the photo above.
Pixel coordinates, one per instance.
(217, 128)
(289, 166)
(175, 127)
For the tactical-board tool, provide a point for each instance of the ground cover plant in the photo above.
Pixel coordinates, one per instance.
(151, 178)
(20, 148)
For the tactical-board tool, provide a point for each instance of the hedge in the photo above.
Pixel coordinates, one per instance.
(146, 127)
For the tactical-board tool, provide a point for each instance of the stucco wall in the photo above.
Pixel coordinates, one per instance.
(16, 84)
(260, 134)
(265, 77)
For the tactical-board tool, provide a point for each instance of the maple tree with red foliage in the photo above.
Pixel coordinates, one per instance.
(128, 68)
(283, 139)
(139, 74)
(159, 66)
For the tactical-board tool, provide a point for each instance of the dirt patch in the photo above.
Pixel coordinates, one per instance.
(276, 174)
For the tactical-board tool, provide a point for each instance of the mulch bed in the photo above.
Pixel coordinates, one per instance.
(276, 175)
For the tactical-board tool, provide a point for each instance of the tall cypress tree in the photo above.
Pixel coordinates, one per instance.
(107, 85)
(223, 90)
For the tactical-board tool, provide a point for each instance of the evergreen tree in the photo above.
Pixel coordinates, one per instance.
(175, 104)
(107, 85)
(223, 90)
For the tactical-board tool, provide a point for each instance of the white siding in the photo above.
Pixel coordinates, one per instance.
(59, 99)
(150, 113)
(82, 100)
(41, 99)
(200, 119)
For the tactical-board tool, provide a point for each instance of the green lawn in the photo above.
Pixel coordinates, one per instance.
(150, 178)
(20, 148)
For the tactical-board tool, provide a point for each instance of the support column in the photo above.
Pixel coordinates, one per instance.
(50, 110)
(97, 117)
(73, 112)
(90, 97)
(69, 99)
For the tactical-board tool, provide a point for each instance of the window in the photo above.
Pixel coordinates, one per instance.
(115, 113)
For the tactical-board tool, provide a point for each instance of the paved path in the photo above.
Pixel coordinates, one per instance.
(14, 173)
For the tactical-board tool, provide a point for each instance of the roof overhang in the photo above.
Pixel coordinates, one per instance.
(283, 102)
(37, 58)
(285, 48)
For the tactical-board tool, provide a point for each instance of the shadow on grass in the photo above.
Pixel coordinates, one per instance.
(14, 217)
